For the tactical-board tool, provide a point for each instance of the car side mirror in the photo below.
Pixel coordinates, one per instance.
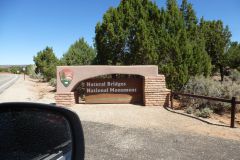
(40, 131)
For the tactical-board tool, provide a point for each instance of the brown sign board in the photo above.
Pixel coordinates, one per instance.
(122, 90)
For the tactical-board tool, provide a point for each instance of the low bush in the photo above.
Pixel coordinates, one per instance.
(36, 76)
(208, 87)
(4, 70)
(205, 112)
(189, 110)
(235, 76)
(53, 82)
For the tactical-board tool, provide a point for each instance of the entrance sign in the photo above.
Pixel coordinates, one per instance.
(123, 90)
(149, 90)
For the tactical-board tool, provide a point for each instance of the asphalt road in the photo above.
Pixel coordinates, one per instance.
(104, 142)
(6, 80)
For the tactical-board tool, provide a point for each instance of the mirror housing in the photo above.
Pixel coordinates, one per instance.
(76, 131)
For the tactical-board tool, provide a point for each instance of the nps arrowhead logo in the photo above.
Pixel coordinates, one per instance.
(66, 76)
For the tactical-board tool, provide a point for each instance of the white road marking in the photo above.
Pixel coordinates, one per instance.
(9, 82)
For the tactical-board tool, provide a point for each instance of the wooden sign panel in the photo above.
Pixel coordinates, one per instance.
(123, 90)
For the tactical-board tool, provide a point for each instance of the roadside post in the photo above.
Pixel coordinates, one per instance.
(24, 72)
(171, 99)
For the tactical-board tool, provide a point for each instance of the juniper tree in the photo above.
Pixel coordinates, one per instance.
(127, 34)
(79, 53)
(46, 63)
(138, 32)
(217, 39)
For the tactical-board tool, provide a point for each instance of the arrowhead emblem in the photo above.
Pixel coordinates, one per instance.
(66, 76)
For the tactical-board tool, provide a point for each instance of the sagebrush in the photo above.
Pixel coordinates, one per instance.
(208, 87)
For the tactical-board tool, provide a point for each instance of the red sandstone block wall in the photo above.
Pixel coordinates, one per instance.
(65, 99)
(154, 88)
(155, 91)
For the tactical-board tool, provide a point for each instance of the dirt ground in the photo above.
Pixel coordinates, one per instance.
(29, 90)
(132, 116)
(225, 119)
(45, 92)
(222, 119)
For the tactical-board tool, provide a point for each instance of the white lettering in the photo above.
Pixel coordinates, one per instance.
(116, 84)
(101, 84)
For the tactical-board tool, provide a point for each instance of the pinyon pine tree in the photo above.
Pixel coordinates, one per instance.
(138, 32)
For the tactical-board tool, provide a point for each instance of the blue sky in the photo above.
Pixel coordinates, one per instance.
(28, 26)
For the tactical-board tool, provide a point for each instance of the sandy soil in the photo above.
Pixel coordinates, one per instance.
(225, 119)
(221, 119)
(28, 90)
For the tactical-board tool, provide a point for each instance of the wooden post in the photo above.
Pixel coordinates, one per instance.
(233, 111)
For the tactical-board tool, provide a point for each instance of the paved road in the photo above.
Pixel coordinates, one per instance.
(6, 80)
(105, 141)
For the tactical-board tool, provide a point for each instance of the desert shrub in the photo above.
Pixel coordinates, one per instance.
(205, 112)
(38, 76)
(189, 110)
(235, 76)
(197, 113)
(33, 75)
(15, 69)
(30, 70)
(53, 82)
(208, 87)
(4, 70)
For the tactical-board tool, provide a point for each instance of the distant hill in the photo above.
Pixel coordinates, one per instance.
(9, 66)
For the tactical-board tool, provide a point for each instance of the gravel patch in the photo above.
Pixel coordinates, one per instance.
(133, 116)
(105, 141)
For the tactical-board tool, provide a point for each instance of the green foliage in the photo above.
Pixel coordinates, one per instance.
(16, 69)
(217, 39)
(46, 63)
(53, 82)
(235, 76)
(183, 52)
(208, 87)
(128, 34)
(80, 53)
(137, 32)
(189, 110)
(4, 70)
(30, 70)
(233, 55)
(205, 112)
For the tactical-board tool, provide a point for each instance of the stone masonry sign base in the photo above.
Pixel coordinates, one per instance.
(154, 89)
